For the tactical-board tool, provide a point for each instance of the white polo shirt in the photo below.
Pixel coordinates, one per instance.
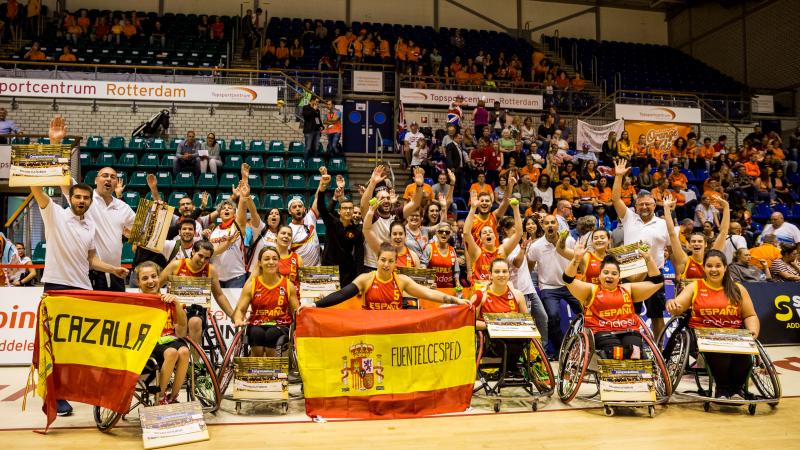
(69, 241)
(550, 265)
(787, 233)
(305, 240)
(652, 233)
(110, 221)
(230, 263)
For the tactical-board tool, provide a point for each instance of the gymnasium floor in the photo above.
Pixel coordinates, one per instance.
(555, 425)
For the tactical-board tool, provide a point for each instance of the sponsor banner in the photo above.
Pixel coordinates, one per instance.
(5, 161)
(763, 104)
(651, 113)
(656, 134)
(386, 364)
(595, 135)
(132, 90)
(87, 339)
(440, 97)
(778, 309)
(367, 81)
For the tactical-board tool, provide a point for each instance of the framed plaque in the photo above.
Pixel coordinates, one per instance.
(151, 225)
(40, 165)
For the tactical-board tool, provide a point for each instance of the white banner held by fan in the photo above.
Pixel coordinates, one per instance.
(595, 135)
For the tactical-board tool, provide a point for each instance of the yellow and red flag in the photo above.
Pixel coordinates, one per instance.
(386, 364)
(92, 346)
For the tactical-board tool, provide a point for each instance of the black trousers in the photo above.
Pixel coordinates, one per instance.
(100, 282)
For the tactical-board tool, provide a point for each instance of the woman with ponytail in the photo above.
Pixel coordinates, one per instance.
(716, 301)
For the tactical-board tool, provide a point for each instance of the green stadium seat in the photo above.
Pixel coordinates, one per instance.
(337, 165)
(275, 162)
(175, 142)
(296, 163)
(149, 195)
(321, 229)
(207, 181)
(85, 159)
(131, 198)
(255, 181)
(222, 147)
(222, 196)
(20, 140)
(227, 180)
(315, 164)
(273, 201)
(164, 178)
(277, 147)
(174, 198)
(184, 180)
(256, 162)
(296, 182)
(68, 141)
(43, 140)
(127, 253)
(93, 142)
(127, 159)
(122, 177)
(106, 159)
(313, 182)
(196, 199)
(138, 179)
(256, 201)
(233, 162)
(89, 177)
(158, 144)
(37, 257)
(137, 143)
(258, 146)
(116, 143)
(149, 160)
(167, 161)
(297, 147)
(237, 146)
(273, 181)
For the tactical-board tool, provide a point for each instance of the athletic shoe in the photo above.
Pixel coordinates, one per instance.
(63, 408)
(738, 395)
(721, 394)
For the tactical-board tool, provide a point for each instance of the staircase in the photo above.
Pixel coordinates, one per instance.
(7, 49)
(361, 165)
(569, 69)
(237, 62)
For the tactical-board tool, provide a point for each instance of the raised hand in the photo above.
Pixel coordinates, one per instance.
(244, 190)
(669, 201)
(378, 174)
(419, 176)
(723, 203)
(203, 199)
(152, 182)
(338, 193)
(451, 176)
(340, 182)
(57, 130)
(245, 171)
(473, 199)
(621, 167)
(579, 250)
(119, 189)
(512, 181)
(442, 199)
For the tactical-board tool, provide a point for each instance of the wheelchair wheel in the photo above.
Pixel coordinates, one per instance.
(202, 380)
(572, 371)
(764, 376)
(214, 345)
(105, 419)
(673, 325)
(575, 328)
(237, 348)
(676, 355)
(662, 380)
(539, 369)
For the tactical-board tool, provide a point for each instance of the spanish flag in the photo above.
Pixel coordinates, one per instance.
(386, 364)
(92, 346)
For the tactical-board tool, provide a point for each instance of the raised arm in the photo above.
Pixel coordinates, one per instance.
(369, 230)
(471, 246)
(410, 286)
(581, 290)
(620, 169)
(152, 183)
(378, 175)
(416, 199)
(42, 199)
(724, 227)
(241, 209)
(324, 181)
(679, 256)
(513, 240)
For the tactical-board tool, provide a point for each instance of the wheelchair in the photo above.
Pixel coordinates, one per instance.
(678, 345)
(578, 363)
(201, 386)
(537, 378)
(239, 348)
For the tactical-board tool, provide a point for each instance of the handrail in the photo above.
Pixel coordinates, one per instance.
(13, 218)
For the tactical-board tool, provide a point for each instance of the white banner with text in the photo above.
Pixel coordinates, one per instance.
(439, 97)
(651, 113)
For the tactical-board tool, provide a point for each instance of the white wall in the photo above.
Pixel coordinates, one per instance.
(410, 12)
(127, 5)
(646, 27)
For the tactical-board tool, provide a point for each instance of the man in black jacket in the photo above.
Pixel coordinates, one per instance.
(456, 162)
(312, 128)
(345, 240)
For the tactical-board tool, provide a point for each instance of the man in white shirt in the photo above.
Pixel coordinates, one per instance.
(410, 141)
(113, 220)
(549, 266)
(228, 239)
(734, 242)
(786, 232)
(563, 212)
(181, 246)
(305, 240)
(22, 277)
(643, 226)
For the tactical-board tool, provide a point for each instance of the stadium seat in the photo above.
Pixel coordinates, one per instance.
(149, 195)
(227, 180)
(89, 177)
(175, 142)
(273, 181)
(635, 171)
(689, 175)
(149, 160)
(222, 196)
(296, 182)
(337, 165)
(127, 253)
(256, 162)
(273, 201)
(296, 163)
(255, 182)
(783, 209)
(137, 143)
(796, 211)
(127, 159)
(37, 257)
(20, 140)
(276, 147)
(258, 146)
(131, 198)
(233, 162)
(85, 159)
(315, 163)
(237, 146)
(94, 142)
(321, 229)
(167, 161)
(43, 140)
(164, 178)
(116, 143)
(106, 159)
(207, 181)
(275, 162)
(762, 211)
(296, 147)
(122, 177)
(184, 180)
(701, 174)
(158, 144)
(138, 179)
(174, 198)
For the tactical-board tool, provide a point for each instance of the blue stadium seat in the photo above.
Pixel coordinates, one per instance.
(762, 211)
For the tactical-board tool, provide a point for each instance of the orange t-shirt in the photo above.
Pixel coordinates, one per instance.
(282, 53)
(83, 22)
(778, 152)
(369, 47)
(568, 193)
(477, 188)
(680, 199)
(341, 44)
(401, 51)
(37, 56)
(532, 172)
(752, 169)
(384, 48)
(587, 194)
(657, 153)
(411, 189)
(462, 77)
(67, 58)
(627, 195)
(707, 152)
(604, 195)
(129, 30)
(678, 180)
